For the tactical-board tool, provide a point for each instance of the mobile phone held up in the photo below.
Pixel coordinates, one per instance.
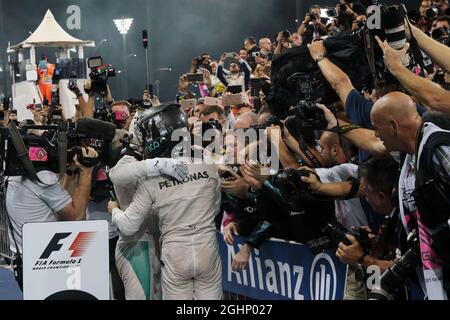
(229, 55)
(195, 77)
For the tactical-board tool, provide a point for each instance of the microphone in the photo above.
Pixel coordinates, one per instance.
(95, 129)
(145, 38)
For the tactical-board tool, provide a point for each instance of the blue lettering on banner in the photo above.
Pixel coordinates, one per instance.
(283, 271)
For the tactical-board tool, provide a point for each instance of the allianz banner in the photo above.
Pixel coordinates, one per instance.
(282, 270)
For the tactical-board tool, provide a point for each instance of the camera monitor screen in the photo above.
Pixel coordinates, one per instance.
(95, 62)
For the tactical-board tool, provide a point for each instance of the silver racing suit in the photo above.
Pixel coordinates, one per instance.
(191, 266)
(137, 255)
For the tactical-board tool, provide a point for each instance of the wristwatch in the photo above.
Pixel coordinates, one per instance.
(319, 58)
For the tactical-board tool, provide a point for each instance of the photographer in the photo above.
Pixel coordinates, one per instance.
(293, 216)
(313, 26)
(86, 108)
(421, 186)
(336, 155)
(379, 178)
(212, 113)
(120, 114)
(204, 61)
(284, 42)
(30, 201)
(348, 13)
(266, 47)
(426, 91)
(251, 46)
(240, 213)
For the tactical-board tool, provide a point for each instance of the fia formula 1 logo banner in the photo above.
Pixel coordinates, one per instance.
(61, 257)
(283, 271)
(78, 246)
(62, 253)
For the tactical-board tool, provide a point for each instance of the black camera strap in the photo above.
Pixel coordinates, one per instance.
(311, 157)
(62, 152)
(22, 152)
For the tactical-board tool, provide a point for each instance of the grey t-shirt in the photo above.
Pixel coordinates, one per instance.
(32, 202)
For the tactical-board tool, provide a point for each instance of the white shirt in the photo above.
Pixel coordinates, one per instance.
(350, 213)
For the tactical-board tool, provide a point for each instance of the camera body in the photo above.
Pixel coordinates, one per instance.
(313, 16)
(431, 13)
(99, 75)
(393, 279)
(305, 120)
(335, 233)
(286, 34)
(289, 181)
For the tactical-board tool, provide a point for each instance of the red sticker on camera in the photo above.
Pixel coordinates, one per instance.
(38, 154)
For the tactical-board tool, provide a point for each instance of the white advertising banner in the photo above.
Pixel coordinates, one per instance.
(66, 261)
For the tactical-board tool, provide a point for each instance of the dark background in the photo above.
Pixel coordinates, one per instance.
(178, 31)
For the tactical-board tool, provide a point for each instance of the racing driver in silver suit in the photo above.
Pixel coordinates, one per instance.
(191, 266)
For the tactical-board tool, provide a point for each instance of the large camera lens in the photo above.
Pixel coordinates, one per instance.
(286, 34)
(439, 33)
(430, 13)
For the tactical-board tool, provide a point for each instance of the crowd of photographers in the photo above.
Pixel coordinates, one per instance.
(357, 126)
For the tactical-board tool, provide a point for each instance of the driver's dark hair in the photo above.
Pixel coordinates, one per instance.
(380, 173)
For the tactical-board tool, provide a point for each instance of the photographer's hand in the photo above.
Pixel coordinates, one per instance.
(230, 230)
(254, 171)
(74, 89)
(112, 205)
(317, 49)
(314, 182)
(280, 36)
(76, 211)
(207, 78)
(183, 83)
(146, 96)
(393, 58)
(236, 187)
(352, 254)
(349, 11)
(194, 66)
(329, 116)
(155, 101)
(241, 259)
(307, 18)
(89, 153)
